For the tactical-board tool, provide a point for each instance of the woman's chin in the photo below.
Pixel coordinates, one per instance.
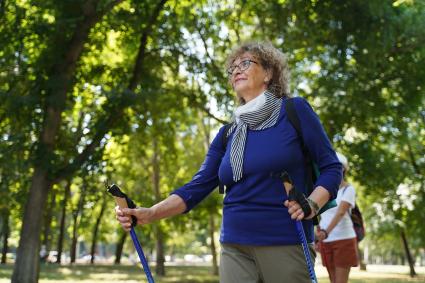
(240, 88)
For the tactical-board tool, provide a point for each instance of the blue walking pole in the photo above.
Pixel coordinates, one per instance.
(292, 195)
(304, 244)
(123, 202)
(141, 255)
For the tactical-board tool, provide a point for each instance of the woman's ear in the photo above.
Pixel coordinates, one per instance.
(268, 76)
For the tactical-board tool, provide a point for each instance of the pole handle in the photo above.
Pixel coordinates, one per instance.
(288, 187)
(122, 200)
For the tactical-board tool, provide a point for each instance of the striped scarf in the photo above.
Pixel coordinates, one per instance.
(263, 117)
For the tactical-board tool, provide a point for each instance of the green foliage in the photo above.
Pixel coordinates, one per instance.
(359, 63)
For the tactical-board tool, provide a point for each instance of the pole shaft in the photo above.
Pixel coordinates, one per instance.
(304, 244)
(141, 256)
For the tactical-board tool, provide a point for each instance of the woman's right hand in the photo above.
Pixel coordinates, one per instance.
(144, 216)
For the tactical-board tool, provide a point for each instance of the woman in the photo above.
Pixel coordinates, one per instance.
(259, 242)
(338, 244)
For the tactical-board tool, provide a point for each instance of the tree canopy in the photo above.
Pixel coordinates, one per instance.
(134, 91)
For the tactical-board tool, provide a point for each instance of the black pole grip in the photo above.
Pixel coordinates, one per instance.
(301, 199)
(122, 200)
(293, 193)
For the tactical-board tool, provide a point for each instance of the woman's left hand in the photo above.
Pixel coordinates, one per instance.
(294, 209)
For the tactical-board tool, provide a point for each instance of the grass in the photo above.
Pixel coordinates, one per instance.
(190, 274)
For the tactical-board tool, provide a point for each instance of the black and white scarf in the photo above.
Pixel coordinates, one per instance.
(260, 113)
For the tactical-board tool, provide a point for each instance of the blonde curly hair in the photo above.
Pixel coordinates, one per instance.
(271, 59)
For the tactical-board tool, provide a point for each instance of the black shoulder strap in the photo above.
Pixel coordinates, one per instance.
(291, 112)
(224, 137)
(224, 140)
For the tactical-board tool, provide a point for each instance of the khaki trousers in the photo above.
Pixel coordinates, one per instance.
(264, 264)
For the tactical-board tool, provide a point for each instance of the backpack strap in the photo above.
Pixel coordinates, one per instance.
(312, 171)
(343, 192)
(224, 140)
(355, 204)
(291, 112)
(225, 137)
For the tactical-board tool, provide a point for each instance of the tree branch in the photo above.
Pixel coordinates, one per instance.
(2, 7)
(62, 72)
(141, 55)
(104, 125)
(209, 114)
(217, 69)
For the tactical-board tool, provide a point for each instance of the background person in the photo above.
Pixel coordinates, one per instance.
(338, 247)
(259, 241)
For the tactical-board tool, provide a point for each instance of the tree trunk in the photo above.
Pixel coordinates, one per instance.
(75, 225)
(408, 254)
(48, 216)
(361, 261)
(160, 258)
(26, 269)
(213, 245)
(27, 261)
(96, 230)
(5, 233)
(73, 250)
(62, 222)
(120, 246)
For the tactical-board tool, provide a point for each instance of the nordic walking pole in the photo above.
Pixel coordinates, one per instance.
(123, 201)
(292, 195)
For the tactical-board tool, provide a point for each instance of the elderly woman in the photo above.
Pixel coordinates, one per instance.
(259, 241)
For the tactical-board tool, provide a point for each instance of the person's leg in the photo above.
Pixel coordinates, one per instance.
(283, 263)
(341, 274)
(237, 265)
(331, 273)
(345, 256)
(328, 259)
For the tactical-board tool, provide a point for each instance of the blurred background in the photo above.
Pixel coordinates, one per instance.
(134, 91)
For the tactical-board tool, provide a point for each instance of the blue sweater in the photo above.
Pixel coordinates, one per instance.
(253, 210)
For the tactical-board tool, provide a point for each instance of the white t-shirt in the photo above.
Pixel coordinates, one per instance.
(344, 229)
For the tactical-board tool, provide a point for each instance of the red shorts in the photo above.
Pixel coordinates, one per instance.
(341, 253)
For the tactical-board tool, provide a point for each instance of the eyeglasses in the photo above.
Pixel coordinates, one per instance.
(243, 65)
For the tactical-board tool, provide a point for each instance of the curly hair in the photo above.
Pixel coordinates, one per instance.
(271, 59)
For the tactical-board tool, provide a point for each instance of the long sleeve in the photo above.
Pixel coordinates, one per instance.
(319, 147)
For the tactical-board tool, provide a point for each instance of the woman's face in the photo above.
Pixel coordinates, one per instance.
(248, 78)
